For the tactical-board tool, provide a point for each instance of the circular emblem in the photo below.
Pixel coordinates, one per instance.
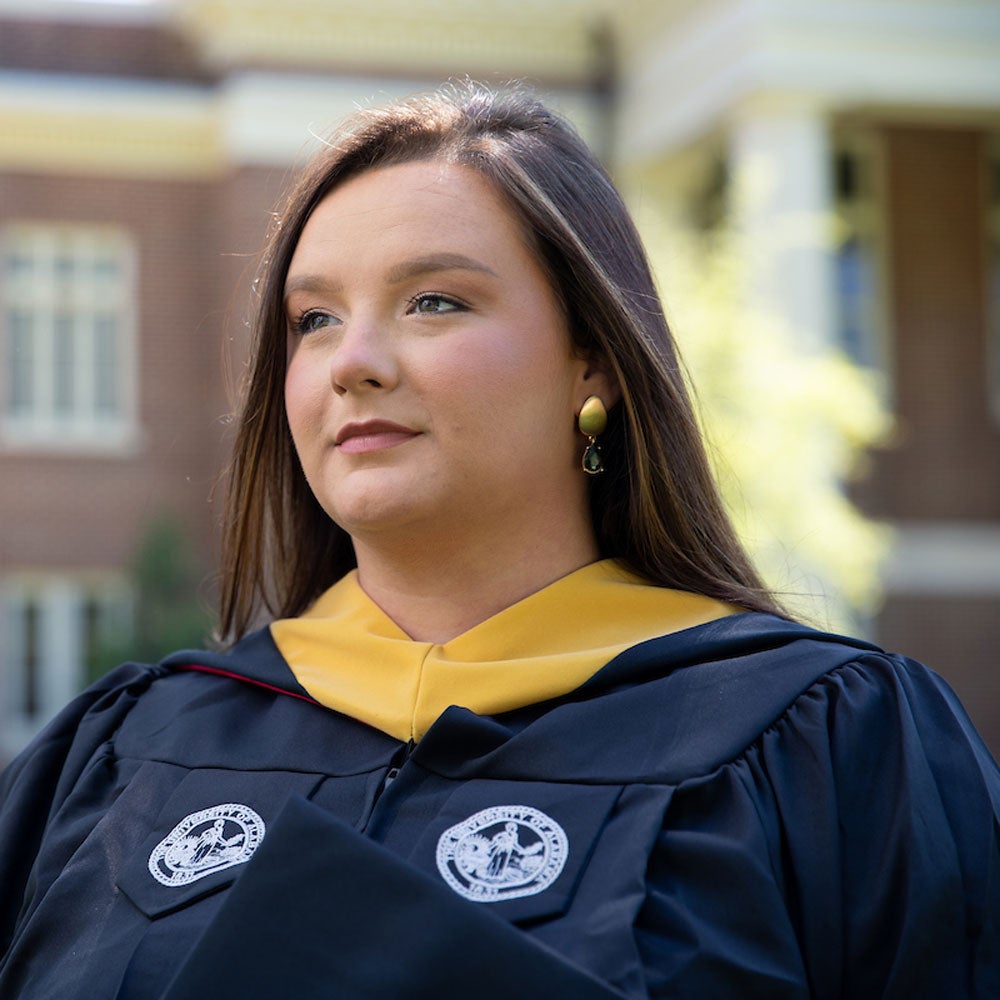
(206, 842)
(502, 853)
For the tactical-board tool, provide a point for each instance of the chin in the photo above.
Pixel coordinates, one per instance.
(376, 515)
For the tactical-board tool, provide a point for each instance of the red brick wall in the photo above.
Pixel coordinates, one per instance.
(945, 463)
(958, 637)
(197, 245)
(246, 202)
(70, 511)
(136, 50)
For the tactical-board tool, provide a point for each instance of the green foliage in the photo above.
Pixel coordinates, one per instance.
(786, 427)
(167, 612)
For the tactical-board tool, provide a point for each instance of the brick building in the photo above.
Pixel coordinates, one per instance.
(142, 146)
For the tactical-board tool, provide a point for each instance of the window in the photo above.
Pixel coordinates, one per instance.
(53, 630)
(67, 323)
(993, 265)
(858, 270)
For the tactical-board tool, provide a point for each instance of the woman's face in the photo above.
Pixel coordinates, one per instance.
(431, 383)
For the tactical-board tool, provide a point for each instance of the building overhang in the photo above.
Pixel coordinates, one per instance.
(685, 68)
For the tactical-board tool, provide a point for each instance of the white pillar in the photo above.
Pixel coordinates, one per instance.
(61, 645)
(779, 159)
(9, 743)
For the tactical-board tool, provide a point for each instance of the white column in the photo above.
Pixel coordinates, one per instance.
(782, 202)
(9, 608)
(61, 645)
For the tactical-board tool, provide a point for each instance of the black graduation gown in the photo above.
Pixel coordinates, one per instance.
(747, 808)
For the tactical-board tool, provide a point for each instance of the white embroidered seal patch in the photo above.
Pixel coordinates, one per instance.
(206, 842)
(502, 853)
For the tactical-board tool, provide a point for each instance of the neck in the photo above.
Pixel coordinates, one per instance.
(435, 595)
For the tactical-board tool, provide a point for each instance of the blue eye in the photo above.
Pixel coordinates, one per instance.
(429, 303)
(311, 321)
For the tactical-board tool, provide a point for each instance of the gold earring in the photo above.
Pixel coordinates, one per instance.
(592, 421)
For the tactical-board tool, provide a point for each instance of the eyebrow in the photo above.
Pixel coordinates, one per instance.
(436, 262)
(397, 274)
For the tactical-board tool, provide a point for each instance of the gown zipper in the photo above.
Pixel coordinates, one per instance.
(394, 770)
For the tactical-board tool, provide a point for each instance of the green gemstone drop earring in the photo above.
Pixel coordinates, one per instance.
(592, 421)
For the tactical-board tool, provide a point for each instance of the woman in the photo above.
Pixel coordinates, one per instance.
(526, 723)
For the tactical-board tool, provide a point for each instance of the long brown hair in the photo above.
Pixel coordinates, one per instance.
(656, 508)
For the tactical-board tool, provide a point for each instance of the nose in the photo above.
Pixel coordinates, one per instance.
(363, 359)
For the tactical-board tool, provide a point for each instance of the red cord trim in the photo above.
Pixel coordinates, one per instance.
(246, 680)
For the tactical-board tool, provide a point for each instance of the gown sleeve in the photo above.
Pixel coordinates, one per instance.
(852, 851)
(39, 779)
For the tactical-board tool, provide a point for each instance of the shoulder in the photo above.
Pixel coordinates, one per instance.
(856, 819)
(88, 719)
(138, 695)
(701, 698)
(870, 709)
(889, 740)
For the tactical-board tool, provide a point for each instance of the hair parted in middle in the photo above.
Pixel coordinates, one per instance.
(657, 508)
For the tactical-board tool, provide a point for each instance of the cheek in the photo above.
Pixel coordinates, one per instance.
(507, 397)
(472, 392)
(303, 397)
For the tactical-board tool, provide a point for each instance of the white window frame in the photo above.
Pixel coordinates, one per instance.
(60, 644)
(52, 282)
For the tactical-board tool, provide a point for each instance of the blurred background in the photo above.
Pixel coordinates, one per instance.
(818, 185)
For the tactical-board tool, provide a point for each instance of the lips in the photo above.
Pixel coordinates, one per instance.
(372, 435)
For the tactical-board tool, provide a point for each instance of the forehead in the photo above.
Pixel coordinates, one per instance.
(381, 209)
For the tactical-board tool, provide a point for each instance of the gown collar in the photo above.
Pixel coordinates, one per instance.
(350, 656)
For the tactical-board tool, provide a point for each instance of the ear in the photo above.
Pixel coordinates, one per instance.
(597, 379)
